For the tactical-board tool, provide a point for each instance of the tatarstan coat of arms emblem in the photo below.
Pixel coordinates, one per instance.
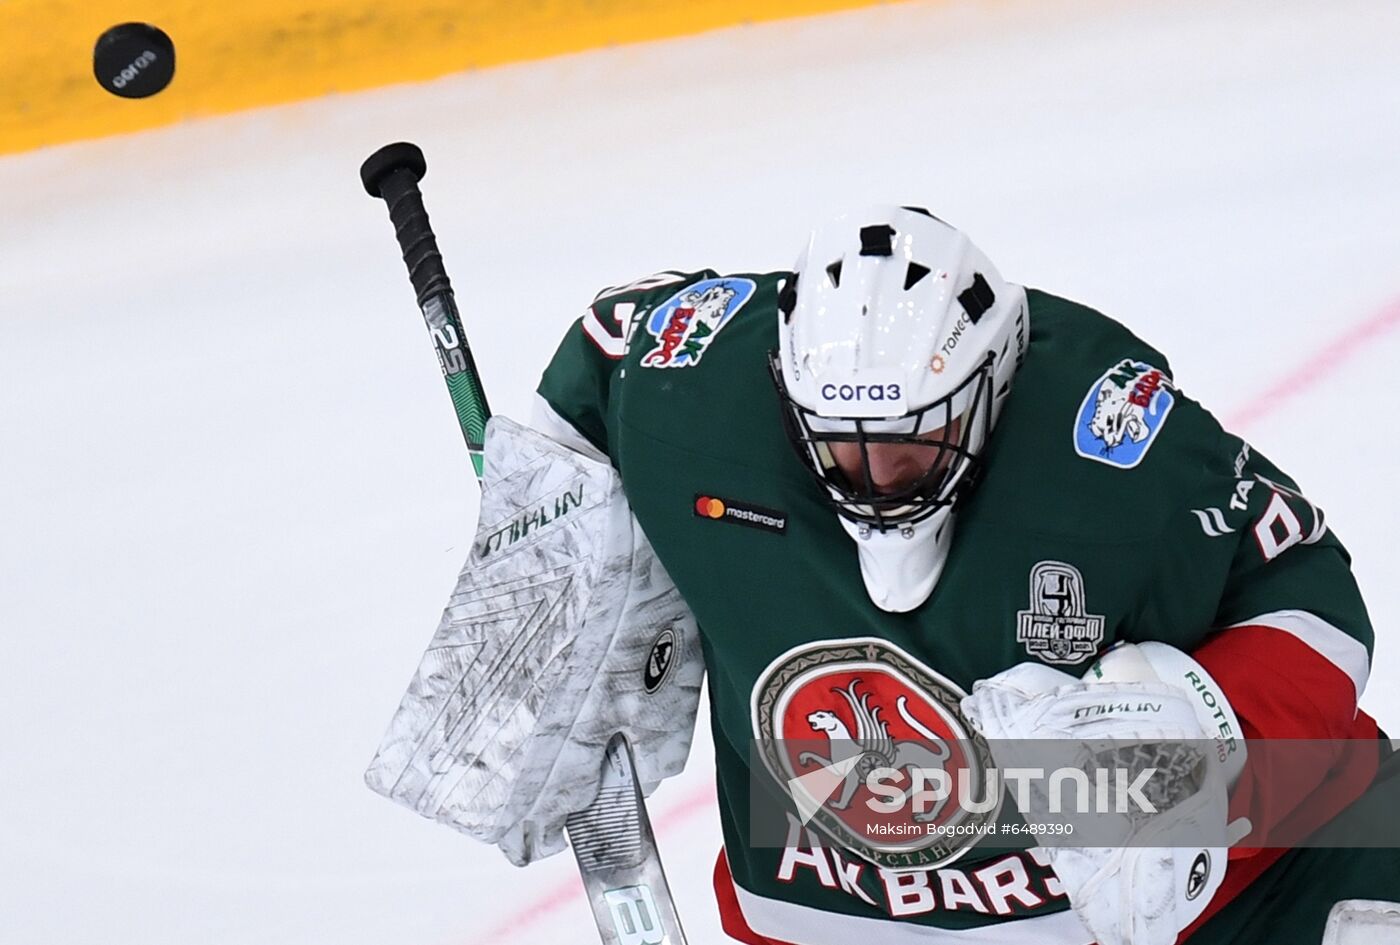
(852, 730)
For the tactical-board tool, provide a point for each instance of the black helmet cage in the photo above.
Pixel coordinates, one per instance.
(950, 477)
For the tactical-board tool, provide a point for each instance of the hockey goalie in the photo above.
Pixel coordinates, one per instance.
(906, 514)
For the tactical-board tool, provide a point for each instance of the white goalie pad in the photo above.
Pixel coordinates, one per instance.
(563, 630)
(1363, 922)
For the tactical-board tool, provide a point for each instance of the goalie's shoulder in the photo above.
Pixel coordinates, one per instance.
(1129, 416)
(1096, 432)
(666, 321)
(608, 320)
(670, 319)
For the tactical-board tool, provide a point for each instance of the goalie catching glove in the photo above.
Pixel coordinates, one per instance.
(563, 630)
(1149, 705)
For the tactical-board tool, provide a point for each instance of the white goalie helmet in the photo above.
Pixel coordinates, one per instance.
(895, 329)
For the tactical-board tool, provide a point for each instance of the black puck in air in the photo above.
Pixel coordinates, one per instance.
(133, 60)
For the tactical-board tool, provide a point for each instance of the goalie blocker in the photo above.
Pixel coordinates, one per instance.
(563, 630)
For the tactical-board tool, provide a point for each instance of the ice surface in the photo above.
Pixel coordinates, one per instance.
(235, 500)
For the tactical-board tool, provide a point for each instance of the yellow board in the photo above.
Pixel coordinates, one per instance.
(241, 54)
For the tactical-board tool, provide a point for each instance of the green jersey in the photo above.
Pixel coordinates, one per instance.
(1111, 507)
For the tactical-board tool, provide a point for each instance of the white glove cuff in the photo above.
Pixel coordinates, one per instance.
(1161, 662)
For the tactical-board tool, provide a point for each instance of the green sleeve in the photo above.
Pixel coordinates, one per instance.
(582, 383)
(1286, 558)
(578, 381)
(1242, 542)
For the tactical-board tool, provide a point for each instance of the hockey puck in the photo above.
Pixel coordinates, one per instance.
(133, 60)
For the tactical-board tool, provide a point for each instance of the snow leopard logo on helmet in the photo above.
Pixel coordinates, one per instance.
(831, 715)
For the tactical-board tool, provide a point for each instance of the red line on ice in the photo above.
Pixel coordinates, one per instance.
(1317, 367)
(1308, 374)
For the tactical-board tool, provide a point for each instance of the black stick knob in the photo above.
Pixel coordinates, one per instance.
(392, 174)
(392, 157)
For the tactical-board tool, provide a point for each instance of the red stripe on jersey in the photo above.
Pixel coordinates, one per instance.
(1281, 688)
(731, 918)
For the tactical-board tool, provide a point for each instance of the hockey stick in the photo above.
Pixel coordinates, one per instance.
(612, 838)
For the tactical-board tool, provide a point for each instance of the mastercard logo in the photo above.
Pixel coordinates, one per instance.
(734, 512)
(708, 507)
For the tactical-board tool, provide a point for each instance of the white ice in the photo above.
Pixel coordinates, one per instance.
(234, 494)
